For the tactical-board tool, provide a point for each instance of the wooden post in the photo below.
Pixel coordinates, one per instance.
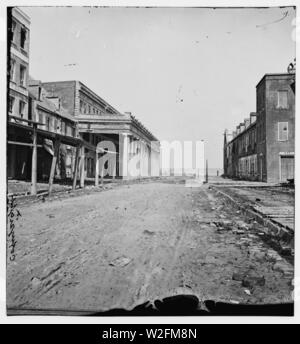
(76, 167)
(53, 165)
(82, 167)
(96, 168)
(34, 161)
(102, 170)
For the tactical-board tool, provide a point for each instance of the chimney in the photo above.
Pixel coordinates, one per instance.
(35, 88)
(252, 117)
(247, 122)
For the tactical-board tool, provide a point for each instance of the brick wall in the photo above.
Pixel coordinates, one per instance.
(65, 90)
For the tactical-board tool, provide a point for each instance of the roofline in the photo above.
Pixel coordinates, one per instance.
(89, 90)
(131, 118)
(245, 130)
(22, 14)
(57, 113)
(275, 74)
(97, 96)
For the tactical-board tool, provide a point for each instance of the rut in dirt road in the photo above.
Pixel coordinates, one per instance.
(137, 243)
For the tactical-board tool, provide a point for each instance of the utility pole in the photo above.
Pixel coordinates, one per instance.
(206, 172)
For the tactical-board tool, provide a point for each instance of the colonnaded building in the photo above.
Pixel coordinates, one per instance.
(63, 130)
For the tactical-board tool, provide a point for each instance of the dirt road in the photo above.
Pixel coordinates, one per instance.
(139, 242)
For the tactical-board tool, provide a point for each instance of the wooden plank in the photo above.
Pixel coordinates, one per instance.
(22, 144)
(76, 167)
(53, 165)
(34, 162)
(82, 154)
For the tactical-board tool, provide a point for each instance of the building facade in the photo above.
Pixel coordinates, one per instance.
(18, 35)
(99, 122)
(52, 118)
(262, 147)
(64, 129)
(18, 68)
(38, 128)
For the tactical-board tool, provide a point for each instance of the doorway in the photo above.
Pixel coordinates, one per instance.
(286, 168)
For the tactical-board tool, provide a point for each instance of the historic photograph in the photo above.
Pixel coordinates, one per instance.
(150, 160)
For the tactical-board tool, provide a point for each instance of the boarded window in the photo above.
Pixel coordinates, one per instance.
(283, 131)
(282, 99)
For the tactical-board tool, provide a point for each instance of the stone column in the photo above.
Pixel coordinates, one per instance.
(96, 168)
(124, 138)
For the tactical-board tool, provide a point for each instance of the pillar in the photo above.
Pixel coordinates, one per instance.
(53, 165)
(96, 168)
(76, 167)
(82, 172)
(124, 154)
(34, 162)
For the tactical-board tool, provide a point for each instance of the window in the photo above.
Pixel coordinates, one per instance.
(63, 127)
(55, 125)
(13, 30)
(12, 70)
(21, 108)
(48, 123)
(23, 38)
(282, 99)
(81, 106)
(89, 109)
(283, 132)
(22, 75)
(11, 104)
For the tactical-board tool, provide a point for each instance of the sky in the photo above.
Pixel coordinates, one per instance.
(185, 73)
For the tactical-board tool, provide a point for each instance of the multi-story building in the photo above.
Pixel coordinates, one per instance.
(54, 128)
(262, 147)
(17, 105)
(54, 119)
(18, 36)
(36, 123)
(98, 121)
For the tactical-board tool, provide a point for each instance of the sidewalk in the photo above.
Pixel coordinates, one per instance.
(271, 202)
(214, 180)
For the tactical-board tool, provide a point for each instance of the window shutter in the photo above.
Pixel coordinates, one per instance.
(282, 99)
(282, 131)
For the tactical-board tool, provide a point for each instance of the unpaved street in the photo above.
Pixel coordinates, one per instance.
(139, 242)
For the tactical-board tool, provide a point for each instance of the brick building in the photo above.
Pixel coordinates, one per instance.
(57, 129)
(262, 147)
(98, 121)
(54, 119)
